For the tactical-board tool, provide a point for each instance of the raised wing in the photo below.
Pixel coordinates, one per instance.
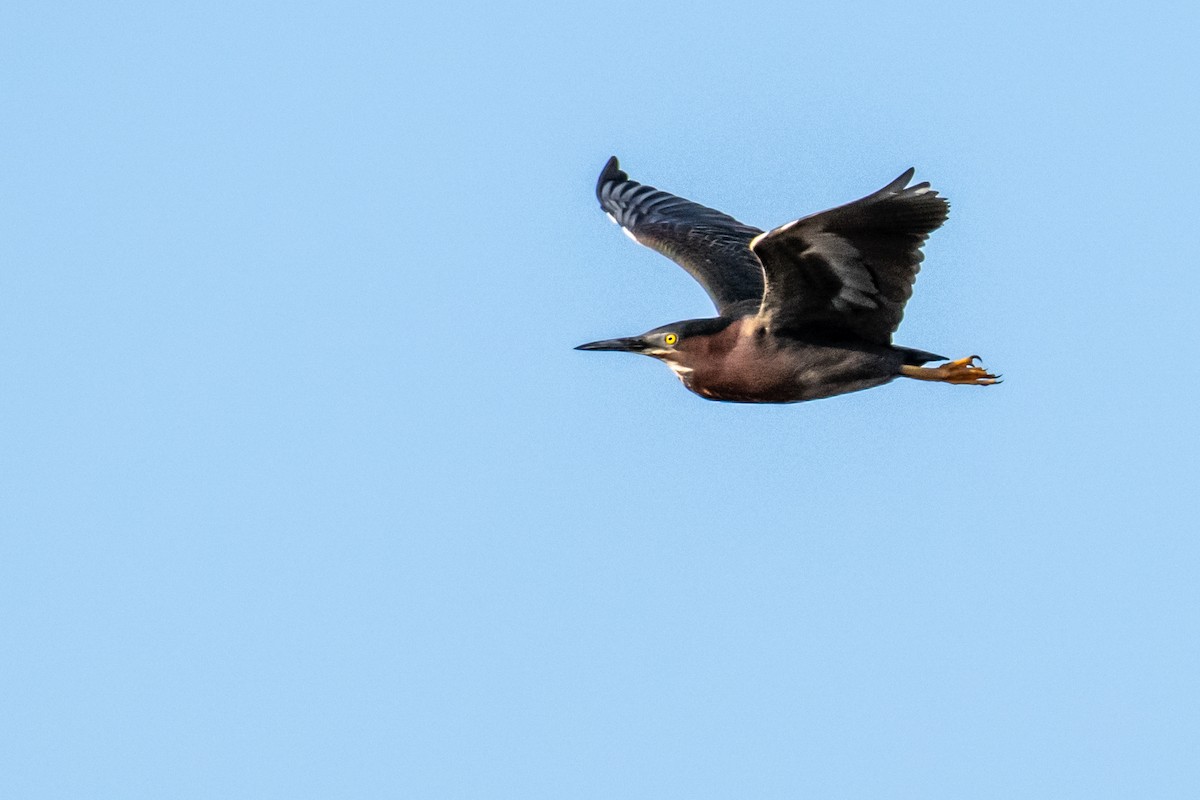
(713, 247)
(851, 269)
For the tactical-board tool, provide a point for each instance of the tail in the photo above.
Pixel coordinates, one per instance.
(916, 358)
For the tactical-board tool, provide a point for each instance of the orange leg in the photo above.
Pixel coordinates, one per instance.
(964, 370)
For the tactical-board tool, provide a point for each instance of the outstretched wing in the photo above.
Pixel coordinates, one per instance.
(851, 269)
(713, 247)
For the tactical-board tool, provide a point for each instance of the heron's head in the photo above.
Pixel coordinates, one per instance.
(681, 345)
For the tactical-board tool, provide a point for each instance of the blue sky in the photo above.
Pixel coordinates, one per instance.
(306, 494)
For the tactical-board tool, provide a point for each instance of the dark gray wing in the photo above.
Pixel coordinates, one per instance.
(851, 269)
(713, 247)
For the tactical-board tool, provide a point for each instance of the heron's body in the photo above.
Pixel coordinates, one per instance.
(805, 311)
(741, 365)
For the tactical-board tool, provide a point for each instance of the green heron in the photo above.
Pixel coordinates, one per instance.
(805, 311)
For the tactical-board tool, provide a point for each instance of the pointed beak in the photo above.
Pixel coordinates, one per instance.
(630, 344)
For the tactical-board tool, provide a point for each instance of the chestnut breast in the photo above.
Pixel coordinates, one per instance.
(740, 363)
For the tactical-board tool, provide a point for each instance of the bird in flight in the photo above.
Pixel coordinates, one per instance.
(804, 311)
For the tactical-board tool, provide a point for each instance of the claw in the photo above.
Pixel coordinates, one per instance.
(967, 371)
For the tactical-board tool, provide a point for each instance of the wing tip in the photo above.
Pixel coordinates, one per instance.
(898, 184)
(923, 193)
(612, 173)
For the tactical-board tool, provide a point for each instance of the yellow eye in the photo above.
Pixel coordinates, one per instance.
(670, 338)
